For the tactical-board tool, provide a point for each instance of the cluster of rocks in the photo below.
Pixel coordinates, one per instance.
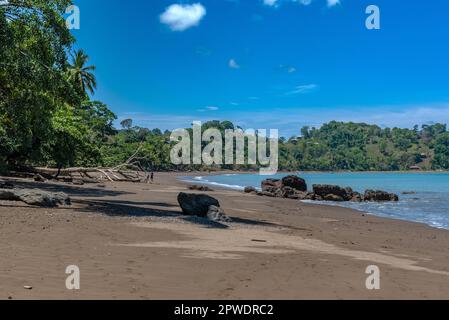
(202, 205)
(291, 187)
(294, 187)
(199, 188)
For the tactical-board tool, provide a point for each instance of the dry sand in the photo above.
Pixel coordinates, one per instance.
(130, 241)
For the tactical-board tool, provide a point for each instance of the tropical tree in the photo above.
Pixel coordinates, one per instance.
(33, 45)
(80, 74)
(126, 124)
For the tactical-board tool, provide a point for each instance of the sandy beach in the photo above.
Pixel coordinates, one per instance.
(131, 241)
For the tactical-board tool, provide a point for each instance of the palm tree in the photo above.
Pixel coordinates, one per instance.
(80, 74)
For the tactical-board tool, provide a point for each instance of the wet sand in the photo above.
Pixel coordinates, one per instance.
(131, 241)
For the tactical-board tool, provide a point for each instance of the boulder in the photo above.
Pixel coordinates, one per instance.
(217, 214)
(44, 199)
(288, 192)
(356, 197)
(196, 204)
(302, 195)
(294, 182)
(267, 194)
(200, 188)
(326, 191)
(271, 184)
(379, 196)
(333, 197)
(249, 190)
(272, 192)
(36, 197)
(286, 187)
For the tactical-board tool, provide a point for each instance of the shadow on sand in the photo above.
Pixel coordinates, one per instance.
(71, 190)
(135, 209)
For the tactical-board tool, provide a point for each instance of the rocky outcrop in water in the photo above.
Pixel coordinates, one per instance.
(335, 193)
(379, 196)
(293, 187)
(293, 182)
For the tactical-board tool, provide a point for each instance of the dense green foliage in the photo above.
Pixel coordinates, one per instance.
(334, 146)
(45, 113)
(47, 117)
(351, 146)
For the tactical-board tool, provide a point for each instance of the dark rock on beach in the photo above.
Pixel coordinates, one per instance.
(217, 214)
(332, 197)
(271, 184)
(288, 187)
(356, 197)
(293, 187)
(333, 193)
(196, 204)
(200, 188)
(294, 182)
(250, 190)
(36, 197)
(379, 196)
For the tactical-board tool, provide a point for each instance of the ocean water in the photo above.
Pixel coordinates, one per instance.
(428, 204)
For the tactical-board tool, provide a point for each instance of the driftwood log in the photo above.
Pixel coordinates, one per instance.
(129, 171)
(88, 175)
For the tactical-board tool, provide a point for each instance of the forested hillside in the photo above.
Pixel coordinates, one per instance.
(334, 146)
(351, 146)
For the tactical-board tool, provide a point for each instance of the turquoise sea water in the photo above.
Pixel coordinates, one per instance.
(429, 204)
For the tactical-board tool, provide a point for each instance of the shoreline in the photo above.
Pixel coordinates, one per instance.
(305, 171)
(219, 186)
(132, 242)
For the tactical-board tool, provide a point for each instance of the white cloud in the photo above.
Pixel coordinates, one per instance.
(209, 108)
(331, 3)
(276, 3)
(403, 116)
(233, 64)
(305, 2)
(304, 89)
(287, 68)
(270, 3)
(180, 17)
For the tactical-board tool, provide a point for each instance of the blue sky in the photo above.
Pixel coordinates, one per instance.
(269, 64)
